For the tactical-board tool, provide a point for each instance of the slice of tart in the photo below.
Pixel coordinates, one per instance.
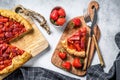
(11, 58)
(76, 43)
(12, 26)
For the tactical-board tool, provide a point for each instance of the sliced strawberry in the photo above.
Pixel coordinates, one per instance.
(67, 65)
(5, 56)
(73, 38)
(77, 46)
(1, 52)
(76, 63)
(23, 30)
(1, 58)
(71, 46)
(70, 41)
(78, 33)
(3, 19)
(8, 35)
(3, 29)
(82, 43)
(20, 52)
(1, 62)
(17, 29)
(1, 26)
(7, 62)
(1, 35)
(4, 47)
(6, 24)
(11, 23)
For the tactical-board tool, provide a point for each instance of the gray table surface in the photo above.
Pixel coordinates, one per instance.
(108, 21)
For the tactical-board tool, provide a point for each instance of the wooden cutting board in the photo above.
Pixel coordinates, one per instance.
(33, 42)
(67, 32)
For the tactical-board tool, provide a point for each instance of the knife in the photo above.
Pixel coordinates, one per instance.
(91, 35)
(94, 38)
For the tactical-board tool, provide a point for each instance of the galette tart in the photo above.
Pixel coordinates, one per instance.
(76, 43)
(12, 26)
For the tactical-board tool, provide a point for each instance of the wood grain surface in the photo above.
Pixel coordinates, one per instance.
(67, 32)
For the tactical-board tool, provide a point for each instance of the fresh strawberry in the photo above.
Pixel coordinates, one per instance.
(76, 63)
(62, 55)
(54, 15)
(76, 22)
(61, 12)
(60, 21)
(67, 65)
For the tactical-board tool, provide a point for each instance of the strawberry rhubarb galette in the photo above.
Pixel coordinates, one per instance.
(12, 26)
(76, 43)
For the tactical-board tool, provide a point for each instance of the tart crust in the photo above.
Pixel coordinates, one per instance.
(17, 62)
(18, 18)
(72, 51)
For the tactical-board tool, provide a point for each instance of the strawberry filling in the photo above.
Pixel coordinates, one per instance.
(9, 29)
(77, 40)
(7, 53)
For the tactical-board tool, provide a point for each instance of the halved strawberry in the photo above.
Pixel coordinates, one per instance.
(76, 63)
(67, 65)
(62, 55)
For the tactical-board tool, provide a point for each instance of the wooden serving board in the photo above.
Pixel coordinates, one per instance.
(67, 32)
(33, 42)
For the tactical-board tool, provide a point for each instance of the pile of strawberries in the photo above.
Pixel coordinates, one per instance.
(57, 16)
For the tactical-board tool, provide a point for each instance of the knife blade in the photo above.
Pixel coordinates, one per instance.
(93, 22)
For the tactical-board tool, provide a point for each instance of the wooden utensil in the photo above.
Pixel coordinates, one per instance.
(93, 19)
(95, 5)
